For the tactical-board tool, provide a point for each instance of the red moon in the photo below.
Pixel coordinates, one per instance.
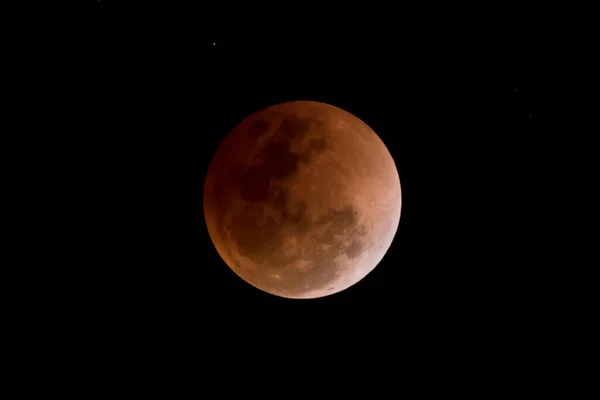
(302, 199)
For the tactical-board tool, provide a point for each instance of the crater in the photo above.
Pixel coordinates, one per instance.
(258, 128)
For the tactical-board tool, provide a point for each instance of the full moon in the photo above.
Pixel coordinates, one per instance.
(302, 199)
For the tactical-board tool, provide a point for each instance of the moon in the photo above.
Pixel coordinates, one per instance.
(302, 199)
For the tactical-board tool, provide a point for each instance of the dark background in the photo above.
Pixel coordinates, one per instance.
(456, 99)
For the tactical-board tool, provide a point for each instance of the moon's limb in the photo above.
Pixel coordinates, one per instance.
(302, 199)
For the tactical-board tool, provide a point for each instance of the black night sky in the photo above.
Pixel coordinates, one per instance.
(456, 102)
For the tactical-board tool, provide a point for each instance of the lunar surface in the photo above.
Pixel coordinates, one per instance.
(302, 199)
